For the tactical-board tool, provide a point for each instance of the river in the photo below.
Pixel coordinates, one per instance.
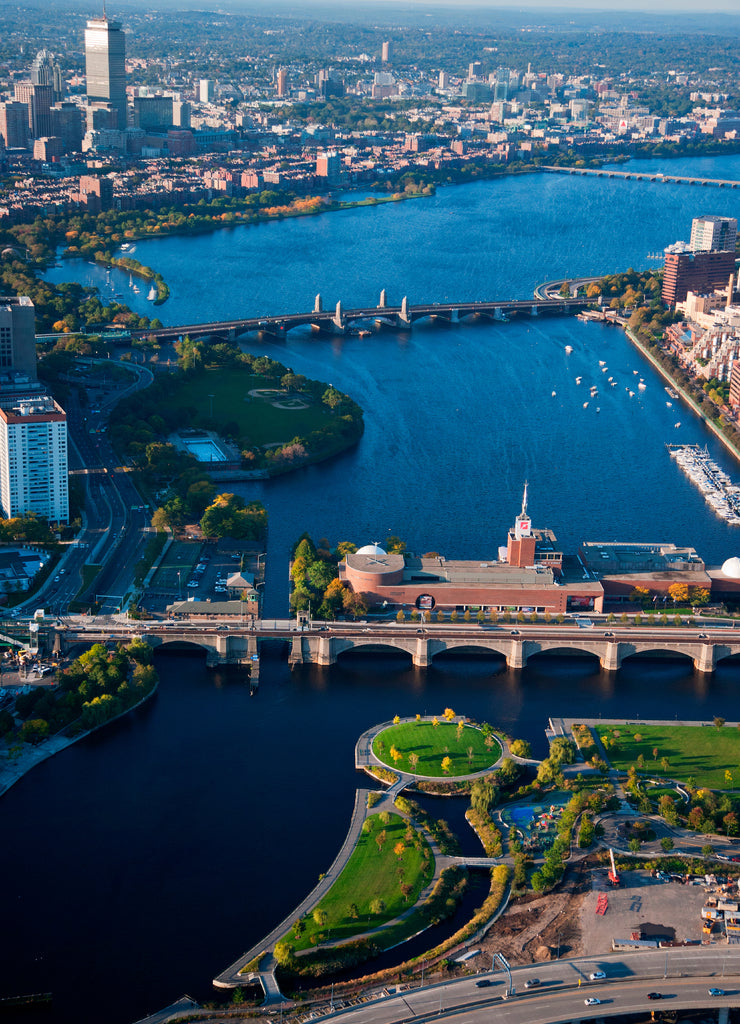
(142, 861)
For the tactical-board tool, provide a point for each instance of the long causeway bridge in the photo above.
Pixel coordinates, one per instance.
(339, 320)
(674, 179)
(323, 645)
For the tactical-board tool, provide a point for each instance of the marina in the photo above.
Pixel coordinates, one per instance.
(719, 492)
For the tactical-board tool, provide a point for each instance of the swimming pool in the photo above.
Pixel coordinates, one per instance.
(204, 450)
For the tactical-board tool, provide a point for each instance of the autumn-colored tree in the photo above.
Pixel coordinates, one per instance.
(435, 721)
(446, 764)
(449, 715)
(396, 719)
(679, 593)
(414, 761)
(380, 839)
(399, 849)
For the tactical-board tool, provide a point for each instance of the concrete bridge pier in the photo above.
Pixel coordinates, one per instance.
(383, 300)
(535, 311)
(318, 306)
(421, 654)
(327, 654)
(516, 657)
(723, 1014)
(338, 319)
(611, 659)
(404, 317)
(706, 661)
(295, 655)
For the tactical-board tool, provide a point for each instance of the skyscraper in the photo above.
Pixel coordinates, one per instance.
(713, 234)
(17, 335)
(33, 459)
(105, 66)
(45, 71)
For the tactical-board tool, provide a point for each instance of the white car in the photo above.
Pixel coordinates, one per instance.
(597, 975)
(592, 1001)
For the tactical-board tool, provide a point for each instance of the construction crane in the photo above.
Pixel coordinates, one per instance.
(613, 876)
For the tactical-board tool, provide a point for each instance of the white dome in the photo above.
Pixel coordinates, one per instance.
(375, 549)
(732, 567)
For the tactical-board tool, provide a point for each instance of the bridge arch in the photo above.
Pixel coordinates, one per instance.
(470, 647)
(629, 652)
(346, 650)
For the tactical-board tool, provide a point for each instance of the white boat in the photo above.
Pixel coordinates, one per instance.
(677, 425)
(585, 405)
(602, 362)
(152, 294)
(578, 380)
(669, 404)
(568, 349)
(136, 289)
(632, 394)
(641, 386)
(554, 394)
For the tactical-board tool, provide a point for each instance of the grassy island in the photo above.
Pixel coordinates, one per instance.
(439, 749)
(387, 871)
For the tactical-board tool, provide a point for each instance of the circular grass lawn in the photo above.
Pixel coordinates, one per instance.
(468, 750)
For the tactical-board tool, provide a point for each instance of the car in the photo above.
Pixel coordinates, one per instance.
(716, 992)
(597, 975)
(57, 578)
(702, 636)
(608, 634)
(62, 572)
(592, 1001)
(531, 982)
(515, 632)
(483, 983)
(655, 995)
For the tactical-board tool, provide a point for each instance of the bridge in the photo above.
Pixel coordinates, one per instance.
(340, 320)
(239, 644)
(675, 179)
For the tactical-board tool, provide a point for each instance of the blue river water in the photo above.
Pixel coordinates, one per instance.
(140, 862)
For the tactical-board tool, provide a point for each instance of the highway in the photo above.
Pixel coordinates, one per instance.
(629, 978)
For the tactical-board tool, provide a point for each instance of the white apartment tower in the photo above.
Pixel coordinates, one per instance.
(33, 459)
(713, 234)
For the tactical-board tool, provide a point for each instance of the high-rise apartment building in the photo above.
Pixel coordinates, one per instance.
(105, 66)
(38, 100)
(385, 51)
(14, 124)
(17, 335)
(713, 234)
(206, 90)
(282, 82)
(687, 271)
(33, 459)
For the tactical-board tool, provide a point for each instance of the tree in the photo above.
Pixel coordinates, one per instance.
(521, 748)
(414, 761)
(377, 906)
(666, 844)
(320, 917)
(655, 753)
(449, 715)
(707, 850)
(380, 839)
(399, 849)
(354, 912)
(634, 845)
(718, 723)
(665, 764)
(679, 593)
(446, 764)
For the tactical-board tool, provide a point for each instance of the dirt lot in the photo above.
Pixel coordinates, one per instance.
(533, 929)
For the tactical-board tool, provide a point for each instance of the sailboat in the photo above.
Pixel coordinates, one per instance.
(152, 293)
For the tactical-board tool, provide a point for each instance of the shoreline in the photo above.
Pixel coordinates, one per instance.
(55, 745)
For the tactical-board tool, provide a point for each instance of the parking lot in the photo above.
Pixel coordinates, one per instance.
(198, 571)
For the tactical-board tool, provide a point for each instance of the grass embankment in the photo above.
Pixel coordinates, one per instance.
(371, 889)
(701, 753)
(467, 748)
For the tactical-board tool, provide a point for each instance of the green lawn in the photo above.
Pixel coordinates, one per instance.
(372, 872)
(700, 752)
(433, 743)
(258, 419)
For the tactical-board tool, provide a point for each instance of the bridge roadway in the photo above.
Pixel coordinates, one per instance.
(235, 643)
(690, 971)
(339, 319)
(676, 179)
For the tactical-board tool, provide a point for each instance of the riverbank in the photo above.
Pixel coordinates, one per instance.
(30, 756)
(667, 376)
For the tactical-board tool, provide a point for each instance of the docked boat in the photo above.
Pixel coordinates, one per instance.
(722, 496)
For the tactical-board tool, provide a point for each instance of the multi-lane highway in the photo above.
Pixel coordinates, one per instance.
(682, 978)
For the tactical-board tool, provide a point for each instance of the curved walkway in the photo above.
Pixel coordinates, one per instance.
(232, 976)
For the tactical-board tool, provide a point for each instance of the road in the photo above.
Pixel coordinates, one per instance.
(690, 973)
